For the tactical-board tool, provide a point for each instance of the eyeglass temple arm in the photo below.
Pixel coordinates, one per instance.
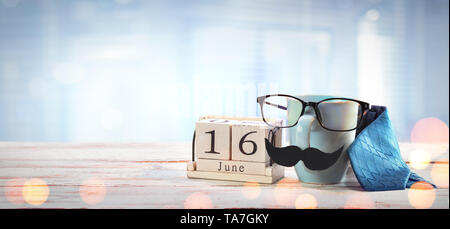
(193, 147)
(276, 105)
(271, 138)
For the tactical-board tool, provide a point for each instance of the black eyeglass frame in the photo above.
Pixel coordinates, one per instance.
(364, 107)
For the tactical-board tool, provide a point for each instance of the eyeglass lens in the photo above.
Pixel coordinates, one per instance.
(339, 114)
(282, 108)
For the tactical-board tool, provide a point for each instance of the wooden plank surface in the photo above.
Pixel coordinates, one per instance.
(154, 176)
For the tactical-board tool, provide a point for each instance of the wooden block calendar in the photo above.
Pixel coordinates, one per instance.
(230, 148)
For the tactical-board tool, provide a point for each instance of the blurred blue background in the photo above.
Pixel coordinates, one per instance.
(144, 71)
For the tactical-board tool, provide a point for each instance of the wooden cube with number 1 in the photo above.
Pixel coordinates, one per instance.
(213, 139)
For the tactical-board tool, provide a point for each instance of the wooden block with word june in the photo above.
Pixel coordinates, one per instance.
(248, 141)
(229, 166)
(276, 173)
(207, 166)
(213, 138)
(245, 159)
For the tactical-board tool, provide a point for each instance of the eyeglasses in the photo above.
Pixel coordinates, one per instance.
(334, 114)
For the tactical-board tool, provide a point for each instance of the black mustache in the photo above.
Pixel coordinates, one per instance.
(313, 158)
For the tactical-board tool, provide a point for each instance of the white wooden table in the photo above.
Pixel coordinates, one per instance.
(68, 175)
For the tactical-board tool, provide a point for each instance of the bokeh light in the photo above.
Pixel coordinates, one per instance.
(421, 195)
(373, 15)
(439, 173)
(251, 190)
(306, 201)
(430, 130)
(359, 200)
(13, 190)
(285, 194)
(419, 159)
(93, 191)
(35, 191)
(198, 200)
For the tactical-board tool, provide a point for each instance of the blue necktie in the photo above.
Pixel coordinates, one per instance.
(375, 155)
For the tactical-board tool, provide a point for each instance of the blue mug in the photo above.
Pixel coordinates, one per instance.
(309, 133)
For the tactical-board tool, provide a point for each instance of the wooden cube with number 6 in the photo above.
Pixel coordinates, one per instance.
(213, 139)
(248, 141)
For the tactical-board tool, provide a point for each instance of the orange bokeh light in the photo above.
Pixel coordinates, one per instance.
(251, 190)
(359, 200)
(285, 193)
(13, 190)
(419, 159)
(35, 191)
(430, 130)
(93, 191)
(439, 174)
(198, 200)
(306, 201)
(421, 195)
